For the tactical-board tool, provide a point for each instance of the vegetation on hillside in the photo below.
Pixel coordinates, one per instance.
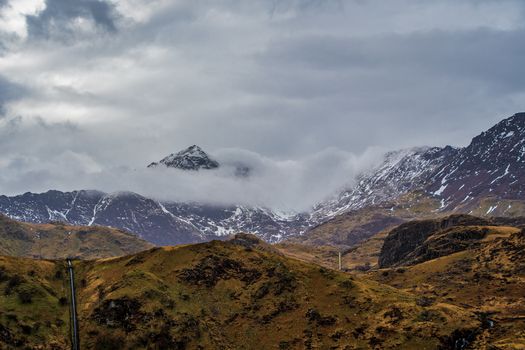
(34, 311)
(242, 294)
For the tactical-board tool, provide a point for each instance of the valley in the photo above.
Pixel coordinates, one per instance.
(421, 269)
(262, 175)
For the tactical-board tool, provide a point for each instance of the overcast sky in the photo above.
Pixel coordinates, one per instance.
(90, 86)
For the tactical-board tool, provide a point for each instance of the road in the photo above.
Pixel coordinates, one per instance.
(74, 320)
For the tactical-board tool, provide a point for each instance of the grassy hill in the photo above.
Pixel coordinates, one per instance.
(245, 294)
(242, 294)
(58, 241)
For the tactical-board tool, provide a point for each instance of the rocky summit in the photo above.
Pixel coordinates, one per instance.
(191, 158)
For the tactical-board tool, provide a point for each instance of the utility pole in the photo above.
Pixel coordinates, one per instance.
(340, 262)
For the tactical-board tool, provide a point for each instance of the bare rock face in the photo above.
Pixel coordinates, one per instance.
(404, 240)
(419, 241)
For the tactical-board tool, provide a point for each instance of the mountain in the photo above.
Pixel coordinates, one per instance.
(58, 241)
(493, 165)
(421, 240)
(485, 178)
(124, 210)
(400, 172)
(192, 158)
(161, 223)
(231, 294)
(243, 293)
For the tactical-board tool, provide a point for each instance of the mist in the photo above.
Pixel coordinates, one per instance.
(287, 186)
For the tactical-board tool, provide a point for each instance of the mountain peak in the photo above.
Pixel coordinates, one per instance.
(191, 158)
(506, 137)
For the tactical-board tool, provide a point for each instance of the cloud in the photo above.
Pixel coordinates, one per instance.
(65, 17)
(9, 91)
(286, 185)
(286, 80)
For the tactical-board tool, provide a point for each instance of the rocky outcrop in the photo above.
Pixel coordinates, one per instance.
(403, 241)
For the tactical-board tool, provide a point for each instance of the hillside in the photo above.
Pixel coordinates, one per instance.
(34, 312)
(245, 294)
(58, 241)
(242, 294)
(468, 263)
(350, 228)
(423, 240)
(405, 244)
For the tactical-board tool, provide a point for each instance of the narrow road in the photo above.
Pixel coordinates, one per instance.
(74, 321)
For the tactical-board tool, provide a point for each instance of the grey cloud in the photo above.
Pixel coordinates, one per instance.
(405, 84)
(59, 14)
(284, 79)
(286, 185)
(470, 54)
(9, 91)
(278, 6)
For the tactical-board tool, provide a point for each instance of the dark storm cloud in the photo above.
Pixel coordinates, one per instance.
(59, 14)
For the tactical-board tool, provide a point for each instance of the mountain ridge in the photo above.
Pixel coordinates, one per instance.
(485, 178)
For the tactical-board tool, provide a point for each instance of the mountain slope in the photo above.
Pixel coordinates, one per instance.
(401, 172)
(422, 240)
(493, 165)
(485, 178)
(162, 223)
(58, 241)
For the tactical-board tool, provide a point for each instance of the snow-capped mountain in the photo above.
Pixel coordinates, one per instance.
(486, 178)
(162, 223)
(400, 172)
(493, 165)
(192, 158)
